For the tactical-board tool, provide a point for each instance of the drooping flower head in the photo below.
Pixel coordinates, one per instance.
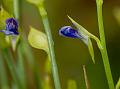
(68, 31)
(11, 27)
(81, 33)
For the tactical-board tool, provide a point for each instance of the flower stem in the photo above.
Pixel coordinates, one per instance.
(16, 9)
(20, 59)
(20, 67)
(103, 43)
(51, 46)
(9, 60)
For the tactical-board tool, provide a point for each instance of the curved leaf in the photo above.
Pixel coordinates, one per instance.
(36, 2)
(38, 39)
(91, 50)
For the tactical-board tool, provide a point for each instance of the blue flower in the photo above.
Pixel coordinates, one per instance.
(11, 27)
(68, 31)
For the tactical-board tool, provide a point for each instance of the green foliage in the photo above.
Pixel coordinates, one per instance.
(103, 51)
(118, 84)
(7, 40)
(86, 38)
(38, 39)
(45, 21)
(8, 5)
(36, 2)
(4, 40)
(91, 50)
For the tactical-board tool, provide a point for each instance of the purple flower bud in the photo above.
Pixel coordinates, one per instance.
(68, 31)
(11, 27)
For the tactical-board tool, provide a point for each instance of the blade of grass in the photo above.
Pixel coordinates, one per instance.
(32, 63)
(103, 43)
(11, 66)
(118, 84)
(44, 16)
(16, 9)
(20, 67)
(86, 78)
(20, 60)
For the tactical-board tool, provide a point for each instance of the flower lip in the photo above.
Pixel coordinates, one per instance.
(68, 31)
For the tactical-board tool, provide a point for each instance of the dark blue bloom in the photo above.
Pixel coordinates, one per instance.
(68, 31)
(11, 27)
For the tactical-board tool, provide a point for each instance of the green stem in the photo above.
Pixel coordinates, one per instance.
(11, 66)
(32, 63)
(103, 43)
(20, 67)
(51, 46)
(16, 9)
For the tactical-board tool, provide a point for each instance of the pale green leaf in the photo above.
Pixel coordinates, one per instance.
(8, 5)
(72, 84)
(91, 50)
(38, 39)
(36, 2)
(4, 41)
(118, 84)
(3, 16)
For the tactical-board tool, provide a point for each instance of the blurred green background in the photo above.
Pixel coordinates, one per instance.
(71, 54)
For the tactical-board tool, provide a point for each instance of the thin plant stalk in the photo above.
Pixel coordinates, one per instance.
(103, 43)
(86, 78)
(20, 67)
(16, 9)
(9, 60)
(27, 52)
(32, 63)
(51, 47)
(20, 60)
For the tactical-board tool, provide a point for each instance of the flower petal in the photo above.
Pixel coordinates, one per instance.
(12, 26)
(68, 31)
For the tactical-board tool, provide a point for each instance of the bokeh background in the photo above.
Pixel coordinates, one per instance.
(71, 54)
